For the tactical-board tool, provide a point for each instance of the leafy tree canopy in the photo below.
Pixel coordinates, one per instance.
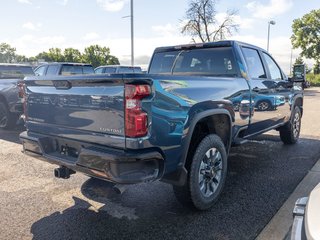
(95, 55)
(7, 53)
(306, 35)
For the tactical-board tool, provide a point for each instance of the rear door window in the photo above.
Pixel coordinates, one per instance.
(52, 70)
(254, 63)
(110, 70)
(98, 70)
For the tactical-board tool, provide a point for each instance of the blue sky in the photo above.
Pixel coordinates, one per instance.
(33, 26)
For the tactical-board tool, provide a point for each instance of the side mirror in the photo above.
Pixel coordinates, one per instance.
(299, 73)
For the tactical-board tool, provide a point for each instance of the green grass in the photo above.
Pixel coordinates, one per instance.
(314, 79)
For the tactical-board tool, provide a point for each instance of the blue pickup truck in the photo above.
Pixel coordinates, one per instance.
(175, 124)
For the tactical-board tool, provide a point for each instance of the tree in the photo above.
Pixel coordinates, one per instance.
(316, 67)
(306, 35)
(97, 56)
(201, 22)
(72, 55)
(7, 53)
(55, 55)
(21, 59)
(43, 56)
(298, 61)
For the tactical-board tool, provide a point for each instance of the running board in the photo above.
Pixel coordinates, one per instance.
(239, 141)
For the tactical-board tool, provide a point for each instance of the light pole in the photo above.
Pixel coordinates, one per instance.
(132, 31)
(132, 35)
(269, 23)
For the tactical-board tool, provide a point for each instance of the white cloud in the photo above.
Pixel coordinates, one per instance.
(244, 23)
(111, 5)
(63, 2)
(164, 30)
(25, 1)
(31, 26)
(31, 45)
(91, 36)
(272, 9)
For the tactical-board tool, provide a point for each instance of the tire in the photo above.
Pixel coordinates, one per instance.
(206, 176)
(290, 132)
(263, 106)
(7, 119)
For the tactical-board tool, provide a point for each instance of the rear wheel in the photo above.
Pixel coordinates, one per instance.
(206, 175)
(7, 119)
(290, 133)
(263, 105)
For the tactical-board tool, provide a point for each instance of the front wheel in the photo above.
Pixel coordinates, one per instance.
(207, 175)
(290, 132)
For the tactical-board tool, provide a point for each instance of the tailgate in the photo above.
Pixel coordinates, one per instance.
(87, 108)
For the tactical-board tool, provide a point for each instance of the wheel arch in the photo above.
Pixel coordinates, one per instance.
(210, 120)
(298, 101)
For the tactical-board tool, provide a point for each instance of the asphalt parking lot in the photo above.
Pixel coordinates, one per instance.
(262, 174)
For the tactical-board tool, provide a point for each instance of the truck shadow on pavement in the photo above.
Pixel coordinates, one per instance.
(11, 135)
(261, 176)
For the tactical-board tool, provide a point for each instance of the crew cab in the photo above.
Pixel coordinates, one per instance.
(175, 124)
(11, 105)
(63, 68)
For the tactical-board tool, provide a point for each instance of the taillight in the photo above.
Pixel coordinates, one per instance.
(22, 95)
(136, 121)
(21, 89)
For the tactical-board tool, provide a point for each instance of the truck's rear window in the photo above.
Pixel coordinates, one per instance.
(208, 61)
(15, 71)
(76, 69)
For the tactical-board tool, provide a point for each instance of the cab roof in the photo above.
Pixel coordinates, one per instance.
(224, 43)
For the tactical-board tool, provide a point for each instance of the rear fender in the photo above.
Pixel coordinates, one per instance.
(196, 114)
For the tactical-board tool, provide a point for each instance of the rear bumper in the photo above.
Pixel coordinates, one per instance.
(119, 166)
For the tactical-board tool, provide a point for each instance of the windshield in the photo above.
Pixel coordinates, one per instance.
(15, 71)
(208, 61)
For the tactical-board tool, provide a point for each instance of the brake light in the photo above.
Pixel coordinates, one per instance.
(22, 95)
(21, 89)
(136, 121)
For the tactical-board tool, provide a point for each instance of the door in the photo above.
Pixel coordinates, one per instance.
(270, 93)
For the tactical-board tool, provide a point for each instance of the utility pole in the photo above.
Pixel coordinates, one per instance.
(291, 62)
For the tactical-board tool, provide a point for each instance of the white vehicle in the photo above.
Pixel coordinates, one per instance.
(306, 213)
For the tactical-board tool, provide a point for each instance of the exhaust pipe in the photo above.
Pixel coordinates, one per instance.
(119, 188)
(63, 172)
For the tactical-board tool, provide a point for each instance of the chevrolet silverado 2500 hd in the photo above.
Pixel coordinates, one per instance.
(175, 124)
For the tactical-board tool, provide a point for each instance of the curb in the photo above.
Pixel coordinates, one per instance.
(281, 222)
